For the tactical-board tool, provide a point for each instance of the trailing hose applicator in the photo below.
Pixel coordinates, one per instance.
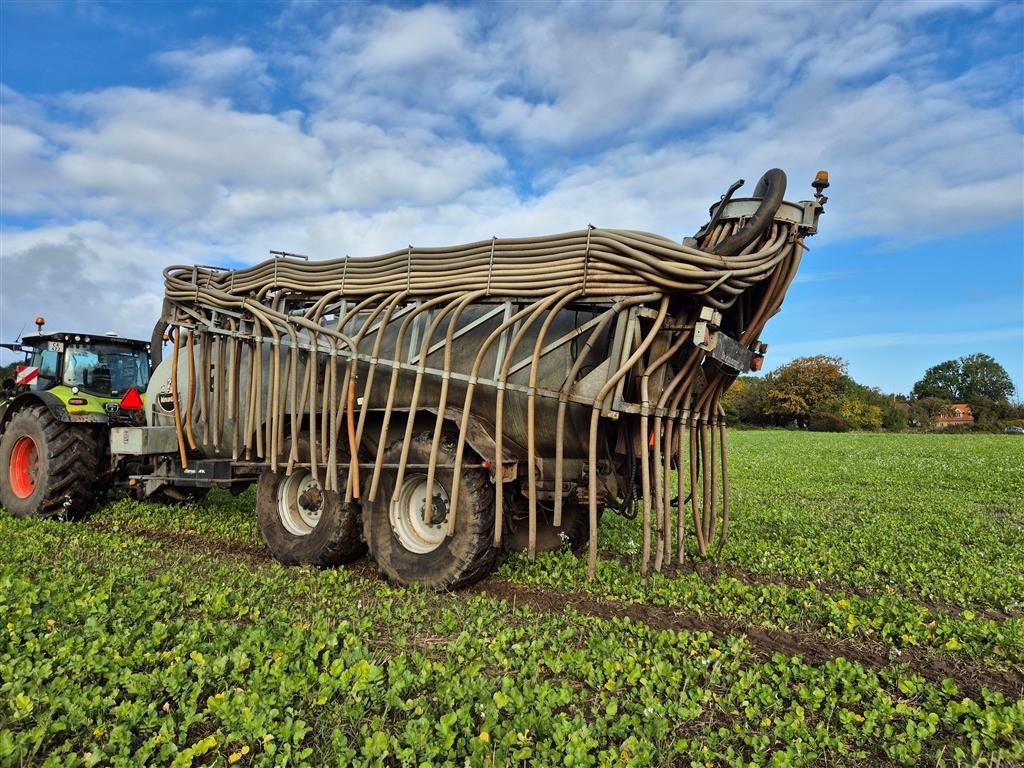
(510, 385)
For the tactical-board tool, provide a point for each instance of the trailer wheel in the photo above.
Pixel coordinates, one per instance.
(302, 523)
(49, 468)
(406, 548)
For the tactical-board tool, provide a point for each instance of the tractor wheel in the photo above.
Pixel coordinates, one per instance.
(302, 523)
(49, 468)
(406, 548)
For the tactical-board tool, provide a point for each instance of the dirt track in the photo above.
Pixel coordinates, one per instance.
(812, 646)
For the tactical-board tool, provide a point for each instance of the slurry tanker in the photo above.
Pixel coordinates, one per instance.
(430, 405)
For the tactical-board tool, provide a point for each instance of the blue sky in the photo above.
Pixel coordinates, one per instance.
(139, 135)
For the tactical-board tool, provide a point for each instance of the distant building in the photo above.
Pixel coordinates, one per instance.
(956, 414)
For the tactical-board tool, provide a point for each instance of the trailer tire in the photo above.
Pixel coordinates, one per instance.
(302, 523)
(409, 552)
(49, 467)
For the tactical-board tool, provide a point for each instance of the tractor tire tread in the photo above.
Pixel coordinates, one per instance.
(72, 462)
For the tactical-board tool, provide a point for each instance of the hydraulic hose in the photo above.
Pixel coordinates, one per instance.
(156, 344)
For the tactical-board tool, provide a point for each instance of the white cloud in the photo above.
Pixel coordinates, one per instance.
(373, 165)
(211, 64)
(78, 284)
(414, 38)
(444, 124)
(164, 155)
(236, 68)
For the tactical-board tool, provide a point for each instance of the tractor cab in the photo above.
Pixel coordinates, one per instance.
(99, 375)
(103, 366)
(55, 416)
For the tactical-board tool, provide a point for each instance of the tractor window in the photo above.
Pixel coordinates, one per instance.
(46, 361)
(105, 369)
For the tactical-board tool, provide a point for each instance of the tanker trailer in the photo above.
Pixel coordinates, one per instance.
(439, 404)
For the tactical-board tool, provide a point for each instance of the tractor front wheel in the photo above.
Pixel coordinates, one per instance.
(48, 468)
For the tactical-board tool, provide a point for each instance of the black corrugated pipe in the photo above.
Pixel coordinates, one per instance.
(156, 344)
(770, 189)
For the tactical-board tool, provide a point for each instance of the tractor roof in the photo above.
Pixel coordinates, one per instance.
(34, 339)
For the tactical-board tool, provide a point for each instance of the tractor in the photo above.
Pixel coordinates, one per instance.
(55, 415)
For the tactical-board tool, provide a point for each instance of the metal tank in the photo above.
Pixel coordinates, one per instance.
(563, 346)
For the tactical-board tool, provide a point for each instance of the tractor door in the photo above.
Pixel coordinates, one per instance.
(46, 360)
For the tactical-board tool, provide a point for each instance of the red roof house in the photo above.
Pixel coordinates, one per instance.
(956, 414)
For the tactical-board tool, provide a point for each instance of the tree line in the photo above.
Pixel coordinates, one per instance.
(817, 393)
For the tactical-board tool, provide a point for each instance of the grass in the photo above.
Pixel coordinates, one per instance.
(153, 635)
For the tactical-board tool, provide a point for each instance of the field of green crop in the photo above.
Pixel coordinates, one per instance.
(868, 611)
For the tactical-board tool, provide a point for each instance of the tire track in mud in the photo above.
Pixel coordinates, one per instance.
(813, 647)
(253, 554)
(710, 572)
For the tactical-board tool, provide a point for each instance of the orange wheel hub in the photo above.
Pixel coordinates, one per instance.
(23, 466)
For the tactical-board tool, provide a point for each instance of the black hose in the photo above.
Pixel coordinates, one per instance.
(156, 344)
(771, 189)
(718, 209)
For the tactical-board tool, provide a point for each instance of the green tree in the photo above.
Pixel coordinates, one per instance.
(941, 381)
(870, 408)
(805, 386)
(983, 377)
(970, 378)
(743, 402)
(7, 373)
(925, 410)
(817, 393)
(859, 414)
(895, 417)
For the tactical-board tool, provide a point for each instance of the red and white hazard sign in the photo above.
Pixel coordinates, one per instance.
(26, 374)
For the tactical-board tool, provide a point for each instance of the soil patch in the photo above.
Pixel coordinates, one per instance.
(711, 572)
(194, 542)
(811, 646)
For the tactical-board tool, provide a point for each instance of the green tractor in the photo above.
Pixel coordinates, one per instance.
(55, 415)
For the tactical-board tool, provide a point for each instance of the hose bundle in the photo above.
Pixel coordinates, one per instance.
(340, 310)
(600, 262)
